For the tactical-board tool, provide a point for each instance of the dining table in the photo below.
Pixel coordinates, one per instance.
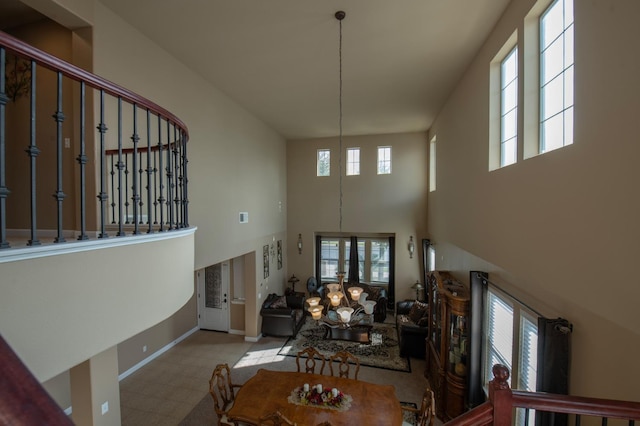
(269, 391)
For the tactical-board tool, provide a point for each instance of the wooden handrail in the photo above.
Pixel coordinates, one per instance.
(498, 410)
(73, 72)
(23, 400)
(569, 404)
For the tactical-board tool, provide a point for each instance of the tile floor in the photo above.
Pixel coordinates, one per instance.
(164, 391)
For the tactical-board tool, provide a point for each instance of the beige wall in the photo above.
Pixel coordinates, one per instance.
(86, 302)
(563, 225)
(394, 203)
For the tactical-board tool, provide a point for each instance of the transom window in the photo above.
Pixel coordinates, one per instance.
(556, 76)
(353, 161)
(324, 162)
(509, 108)
(384, 160)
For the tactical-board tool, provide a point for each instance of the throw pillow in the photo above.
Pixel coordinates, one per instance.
(418, 310)
(280, 302)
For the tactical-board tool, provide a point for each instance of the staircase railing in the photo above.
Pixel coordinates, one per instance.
(137, 173)
(499, 409)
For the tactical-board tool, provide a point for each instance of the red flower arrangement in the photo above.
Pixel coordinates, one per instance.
(325, 398)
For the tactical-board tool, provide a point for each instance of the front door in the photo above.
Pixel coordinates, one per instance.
(213, 300)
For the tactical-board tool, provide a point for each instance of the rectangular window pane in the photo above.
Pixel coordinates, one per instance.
(330, 257)
(384, 160)
(499, 334)
(528, 362)
(324, 162)
(552, 98)
(509, 108)
(353, 161)
(556, 76)
(380, 261)
(552, 24)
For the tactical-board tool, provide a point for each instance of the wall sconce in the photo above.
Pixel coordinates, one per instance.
(411, 247)
(299, 243)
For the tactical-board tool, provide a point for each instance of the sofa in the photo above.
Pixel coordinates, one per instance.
(282, 315)
(375, 293)
(412, 323)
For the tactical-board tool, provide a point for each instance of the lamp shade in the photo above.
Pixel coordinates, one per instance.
(334, 297)
(316, 312)
(333, 287)
(345, 314)
(368, 306)
(355, 292)
(313, 301)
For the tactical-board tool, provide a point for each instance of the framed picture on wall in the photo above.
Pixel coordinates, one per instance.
(265, 260)
(279, 254)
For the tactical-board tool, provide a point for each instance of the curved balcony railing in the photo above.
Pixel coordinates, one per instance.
(85, 139)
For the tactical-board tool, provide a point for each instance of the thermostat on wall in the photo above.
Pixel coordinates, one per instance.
(244, 217)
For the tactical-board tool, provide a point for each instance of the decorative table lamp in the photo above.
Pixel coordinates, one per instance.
(419, 288)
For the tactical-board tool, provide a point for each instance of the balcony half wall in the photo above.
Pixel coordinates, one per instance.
(61, 305)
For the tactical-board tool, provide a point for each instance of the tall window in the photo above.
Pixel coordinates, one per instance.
(373, 258)
(353, 161)
(509, 108)
(324, 162)
(432, 164)
(556, 76)
(384, 160)
(511, 340)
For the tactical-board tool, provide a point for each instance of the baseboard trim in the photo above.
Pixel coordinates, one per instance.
(238, 332)
(253, 339)
(156, 354)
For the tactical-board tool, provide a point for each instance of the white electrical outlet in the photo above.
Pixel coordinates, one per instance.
(144, 348)
(105, 407)
(67, 142)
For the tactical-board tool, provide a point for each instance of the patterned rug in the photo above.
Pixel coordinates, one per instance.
(382, 352)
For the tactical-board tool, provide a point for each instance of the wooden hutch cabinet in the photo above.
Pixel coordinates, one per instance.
(447, 343)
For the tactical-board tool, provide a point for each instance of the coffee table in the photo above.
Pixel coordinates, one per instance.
(358, 330)
(356, 333)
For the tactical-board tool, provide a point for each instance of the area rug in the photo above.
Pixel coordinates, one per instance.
(382, 352)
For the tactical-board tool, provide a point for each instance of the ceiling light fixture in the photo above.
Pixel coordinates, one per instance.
(340, 16)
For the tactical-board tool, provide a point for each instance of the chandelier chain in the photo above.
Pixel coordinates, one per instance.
(340, 116)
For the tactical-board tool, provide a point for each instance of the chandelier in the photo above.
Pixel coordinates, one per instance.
(347, 310)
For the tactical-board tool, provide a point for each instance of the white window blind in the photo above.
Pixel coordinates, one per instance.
(500, 334)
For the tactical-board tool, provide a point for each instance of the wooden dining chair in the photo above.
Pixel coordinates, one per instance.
(222, 391)
(312, 358)
(275, 419)
(427, 412)
(344, 359)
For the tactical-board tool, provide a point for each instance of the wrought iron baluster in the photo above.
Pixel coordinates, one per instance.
(140, 202)
(169, 204)
(113, 191)
(4, 191)
(160, 176)
(155, 181)
(176, 175)
(82, 160)
(103, 196)
(120, 166)
(135, 198)
(126, 188)
(149, 172)
(59, 195)
(185, 194)
(33, 152)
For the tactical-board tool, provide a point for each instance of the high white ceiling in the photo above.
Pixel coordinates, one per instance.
(279, 58)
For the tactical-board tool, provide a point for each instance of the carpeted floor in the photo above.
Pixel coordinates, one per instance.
(382, 352)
